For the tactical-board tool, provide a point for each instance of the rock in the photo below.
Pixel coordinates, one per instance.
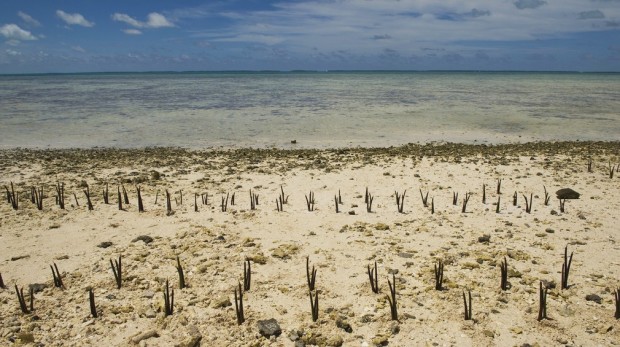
(269, 327)
(335, 341)
(38, 287)
(155, 175)
(549, 231)
(567, 193)
(488, 333)
(20, 257)
(147, 239)
(25, 338)
(593, 297)
(222, 302)
(284, 251)
(143, 336)
(405, 255)
(484, 239)
(394, 328)
(105, 244)
(194, 337)
(352, 213)
(382, 226)
(549, 284)
(344, 325)
(380, 340)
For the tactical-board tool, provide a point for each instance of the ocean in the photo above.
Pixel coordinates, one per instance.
(314, 109)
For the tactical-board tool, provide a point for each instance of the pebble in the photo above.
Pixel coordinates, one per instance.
(269, 327)
(594, 297)
(145, 335)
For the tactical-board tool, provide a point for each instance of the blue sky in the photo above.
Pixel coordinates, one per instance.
(155, 35)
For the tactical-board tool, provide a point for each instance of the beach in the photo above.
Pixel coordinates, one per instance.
(279, 241)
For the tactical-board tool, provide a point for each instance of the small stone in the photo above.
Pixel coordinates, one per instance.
(352, 213)
(380, 340)
(194, 337)
(593, 297)
(293, 335)
(222, 302)
(484, 239)
(20, 257)
(150, 313)
(405, 255)
(335, 341)
(143, 336)
(562, 341)
(382, 226)
(394, 328)
(516, 330)
(147, 239)
(269, 327)
(549, 231)
(488, 333)
(549, 284)
(105, 244)
(38, 287)
(344, 325)
(25, 338)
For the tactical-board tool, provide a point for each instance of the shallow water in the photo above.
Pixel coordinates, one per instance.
(199, 110)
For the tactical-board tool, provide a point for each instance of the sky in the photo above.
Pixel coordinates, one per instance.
(44, 36)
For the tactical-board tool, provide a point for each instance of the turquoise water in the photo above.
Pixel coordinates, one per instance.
(332, 109)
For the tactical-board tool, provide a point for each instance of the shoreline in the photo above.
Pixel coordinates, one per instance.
(213, 244)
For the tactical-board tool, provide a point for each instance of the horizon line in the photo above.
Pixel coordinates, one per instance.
(268, 71)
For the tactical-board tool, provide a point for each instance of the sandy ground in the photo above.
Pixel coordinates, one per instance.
(212, 246)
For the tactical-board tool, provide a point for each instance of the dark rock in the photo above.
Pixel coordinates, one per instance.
(20, 257)
(594, 297)
(269, 327)
(484, 239)
(38, 287)
(344, 325)
(147, 239)
(105, 244)
(567, 193)
(549, 284)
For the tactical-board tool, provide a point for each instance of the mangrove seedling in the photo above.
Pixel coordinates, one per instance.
(542, 304)
(91, 300)
(56, 275)
(566, 267)
(392, 298)
(310, 275)
(528, 203)
(247, 275)
(373, 276)
(314, 306)
(439, 275)
(504, 273)
(467, 305)
(22, 301)
(181, 274)
(400, 201)
(465, 201)
(168, 300)
(424, 198)
(239, 306)
(140, 204)
(117, 270)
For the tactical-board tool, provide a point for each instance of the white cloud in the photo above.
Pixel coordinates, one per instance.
(157, 20)
(78, 49)
(28, 19)
(14, 33)
(132, 32)
(154, 20)
(74, 19)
